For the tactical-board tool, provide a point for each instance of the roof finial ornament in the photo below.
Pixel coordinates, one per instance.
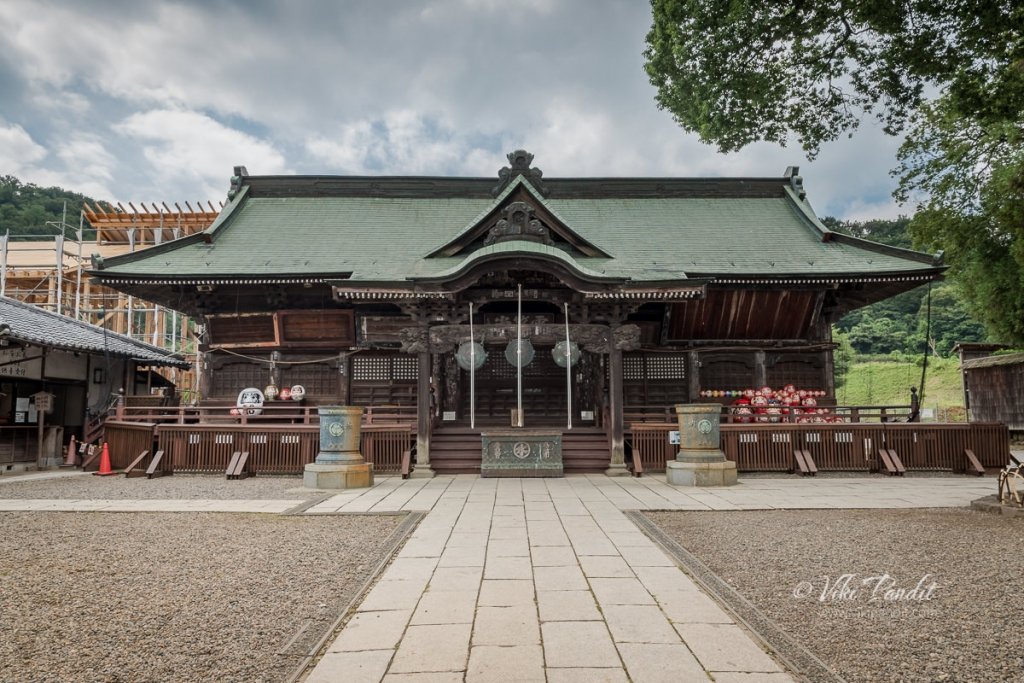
(796, 181)
(236, 181)
(520, 161)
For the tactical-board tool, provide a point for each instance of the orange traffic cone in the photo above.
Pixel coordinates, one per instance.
(105, 470)
(71, 459)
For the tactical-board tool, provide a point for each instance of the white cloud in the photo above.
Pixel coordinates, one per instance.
(187, 149)
(18, 151)
(401, 142)
(81, 163)
(442, 87)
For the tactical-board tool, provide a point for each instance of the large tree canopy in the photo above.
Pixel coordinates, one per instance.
(947, 73)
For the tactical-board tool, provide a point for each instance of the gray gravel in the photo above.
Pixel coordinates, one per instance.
(97, 597)
(969, 631)
(179, 486)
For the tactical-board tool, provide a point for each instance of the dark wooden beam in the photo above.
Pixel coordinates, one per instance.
(423, 417)
(615, 396)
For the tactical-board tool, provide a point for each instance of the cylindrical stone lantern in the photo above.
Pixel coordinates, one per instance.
(700, 460)
(339, 463)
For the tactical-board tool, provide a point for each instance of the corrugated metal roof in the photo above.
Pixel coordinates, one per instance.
(992, 361)
(26, 323)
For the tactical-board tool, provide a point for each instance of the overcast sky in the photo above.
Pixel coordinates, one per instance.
(156, 101)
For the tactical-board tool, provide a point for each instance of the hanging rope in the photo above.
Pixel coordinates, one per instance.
(927, 346)
(283, 362)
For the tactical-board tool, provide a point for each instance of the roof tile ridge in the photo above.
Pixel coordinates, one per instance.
(35, 310)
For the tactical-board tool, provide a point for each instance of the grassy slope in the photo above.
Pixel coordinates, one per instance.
(889, 382)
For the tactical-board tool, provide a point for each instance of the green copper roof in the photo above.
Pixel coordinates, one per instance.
(459, 264)
(389, 238)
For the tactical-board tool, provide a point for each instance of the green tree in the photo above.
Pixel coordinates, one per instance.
(895, 232)
(948, 74)
(968, 178)
(843, 357)
(951, 320)
(29, 210)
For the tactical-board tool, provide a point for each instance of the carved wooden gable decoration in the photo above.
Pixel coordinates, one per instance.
(519, 212)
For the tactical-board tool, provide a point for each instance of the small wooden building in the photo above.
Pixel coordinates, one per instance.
(993, 385)
(363, 291)
(81, 366)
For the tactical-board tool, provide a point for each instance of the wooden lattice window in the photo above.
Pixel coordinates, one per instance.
(384, 368)
(654, 379)
(384, 379)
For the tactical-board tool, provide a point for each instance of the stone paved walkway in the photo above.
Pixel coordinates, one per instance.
(546, 579)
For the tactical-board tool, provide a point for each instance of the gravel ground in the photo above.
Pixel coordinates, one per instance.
(179, 486)
(96, 597)
(790, 565)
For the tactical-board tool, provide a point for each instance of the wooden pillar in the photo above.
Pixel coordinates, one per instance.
(344, 378)
(615, 397)
(830, 373)
(760, 371)
(693, 375)
(423, 416)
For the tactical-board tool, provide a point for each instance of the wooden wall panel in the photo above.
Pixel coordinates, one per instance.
(744, 314)
(997, 394)
(325, 328)
(243, 330)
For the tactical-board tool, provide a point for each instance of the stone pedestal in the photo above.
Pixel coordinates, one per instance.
(700, 460)
(339, 464)
(618, 469)
(521, 453)
(700, 473)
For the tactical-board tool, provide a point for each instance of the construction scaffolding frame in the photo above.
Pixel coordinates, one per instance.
(48, 270)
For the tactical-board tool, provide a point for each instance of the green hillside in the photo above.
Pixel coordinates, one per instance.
(888, 382)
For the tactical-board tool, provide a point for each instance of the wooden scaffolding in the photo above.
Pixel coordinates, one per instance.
(48, 271)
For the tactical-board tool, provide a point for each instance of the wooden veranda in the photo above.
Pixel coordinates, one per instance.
(285, 438)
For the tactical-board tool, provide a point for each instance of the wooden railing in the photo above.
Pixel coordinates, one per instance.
(384, 445)
(273, 449)
(280, 412)
(279, 449)
(855, 414)
(650, 444)
(843, 446)
(126, 440)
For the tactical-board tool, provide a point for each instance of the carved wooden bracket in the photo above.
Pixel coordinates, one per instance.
(518, 222)
(592, 338)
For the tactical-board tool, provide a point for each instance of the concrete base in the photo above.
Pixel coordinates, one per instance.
(617, 470)
(357, 476)
(422, 473)
(701, 473)
(18, 467)
(992, 504)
